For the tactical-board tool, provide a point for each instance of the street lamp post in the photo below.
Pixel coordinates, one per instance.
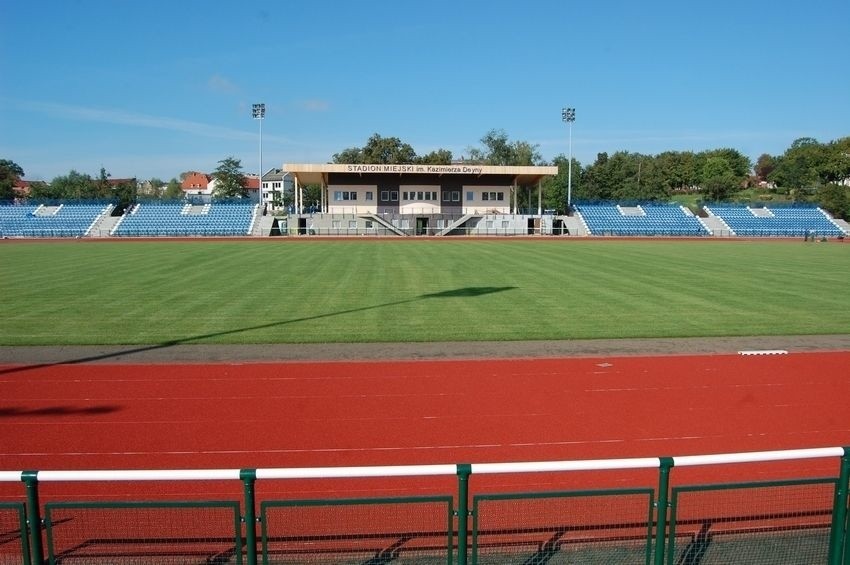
(568, 115)
(258, 112)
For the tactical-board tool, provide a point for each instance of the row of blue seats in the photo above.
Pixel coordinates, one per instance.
(668, 220)
(160, 232)
(35, 232)
(789, 222)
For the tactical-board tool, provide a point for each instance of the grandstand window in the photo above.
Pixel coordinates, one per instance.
(470, 196)
(368, 195)
(394, 196)
(506, 224)
(385, 195)
(369, 224)
(352, 224)
(500, 196)
(447, 196)
(455, 196)
(404, 196)
(335, 224)
(485, 196)
(345, 195)
(419, 196)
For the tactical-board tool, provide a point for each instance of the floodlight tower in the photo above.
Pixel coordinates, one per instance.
(258, 112)
(568, 115)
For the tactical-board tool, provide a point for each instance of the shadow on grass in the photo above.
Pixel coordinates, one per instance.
(466, 292)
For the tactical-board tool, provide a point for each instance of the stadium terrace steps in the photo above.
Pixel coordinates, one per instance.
(776, 221)
(641, 220)
(64, 220)
(172, 219)
(180, 220)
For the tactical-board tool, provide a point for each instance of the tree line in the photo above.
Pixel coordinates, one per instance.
(81, 186)
(808, 171)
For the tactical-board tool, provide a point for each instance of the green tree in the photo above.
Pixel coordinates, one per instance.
(352, 155)
(799, 166)
(555, 188)
(835, 166)
(173, 190)
(499, 150)
(596, 180)
(739, 163)
(388, 150)
(102, 187)
(39, 190)
(312, 195)
(230, 182)
(835, 199)
(10, 173)
(437, 157)
(676, 170)
(765, 165)
(73, 186)
(719, 180)
(380, 150)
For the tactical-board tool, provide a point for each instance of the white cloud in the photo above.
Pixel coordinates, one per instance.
(124, 118)
(218, 83)
(315, 105)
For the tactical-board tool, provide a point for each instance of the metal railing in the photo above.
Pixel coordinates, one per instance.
(804, 519)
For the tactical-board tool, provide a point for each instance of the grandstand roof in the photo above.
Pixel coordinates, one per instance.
(318, 173)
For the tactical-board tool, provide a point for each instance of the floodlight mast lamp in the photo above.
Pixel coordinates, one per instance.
(258, 112)
(568, 115)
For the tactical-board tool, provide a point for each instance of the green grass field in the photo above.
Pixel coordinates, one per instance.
(315, 291)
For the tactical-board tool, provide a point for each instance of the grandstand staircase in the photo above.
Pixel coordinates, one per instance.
(104, 226)
(842, 225)
(716, 226)
(574, 226)
(383, 222)
(459, 223)
(263, 226)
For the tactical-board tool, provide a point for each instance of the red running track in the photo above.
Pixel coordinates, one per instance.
(419, 412)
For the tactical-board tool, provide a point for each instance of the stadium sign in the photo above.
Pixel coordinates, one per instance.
(441, 169)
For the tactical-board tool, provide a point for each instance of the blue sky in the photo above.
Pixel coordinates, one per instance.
(155, 88)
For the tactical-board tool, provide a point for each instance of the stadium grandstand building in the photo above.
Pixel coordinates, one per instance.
(404, 200)
(419, 199)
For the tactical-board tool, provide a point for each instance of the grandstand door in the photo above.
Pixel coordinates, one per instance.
(533, 225)
(421, 226)
(302, 226)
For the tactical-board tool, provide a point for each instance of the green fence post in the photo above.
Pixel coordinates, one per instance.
(30, 479)
(249, 477)
(661, 510)
(463, 472)
(838, 532)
